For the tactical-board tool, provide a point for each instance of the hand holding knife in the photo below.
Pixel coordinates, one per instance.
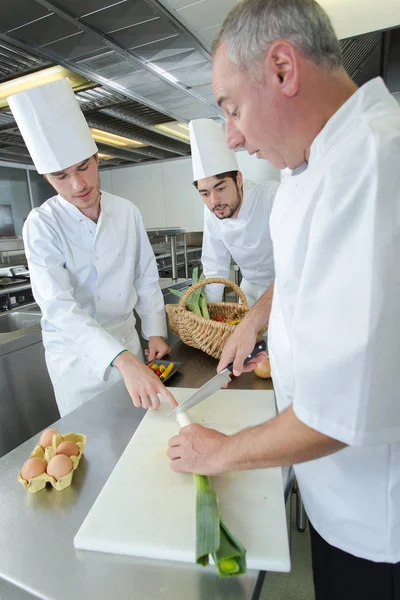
(216, 383)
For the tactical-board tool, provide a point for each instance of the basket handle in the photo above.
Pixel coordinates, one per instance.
(211, 280)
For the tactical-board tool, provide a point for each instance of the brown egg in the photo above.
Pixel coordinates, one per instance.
(47, 437)
(68, 448)
(32, 468)
(263, 369)
(59, 466)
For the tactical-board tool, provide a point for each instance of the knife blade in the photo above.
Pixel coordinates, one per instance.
(215, 383)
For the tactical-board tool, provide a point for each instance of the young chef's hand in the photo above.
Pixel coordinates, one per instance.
(198, 450)
(142, 384)
(240, 344)
(158, 348)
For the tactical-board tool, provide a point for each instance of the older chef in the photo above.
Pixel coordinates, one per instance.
(89, 259)
(335, 322)
(236, 217)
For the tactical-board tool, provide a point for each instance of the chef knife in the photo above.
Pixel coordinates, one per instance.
(216, 383)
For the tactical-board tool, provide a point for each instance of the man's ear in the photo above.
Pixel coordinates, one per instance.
(96, 157)
(281, 68)
(239, 179)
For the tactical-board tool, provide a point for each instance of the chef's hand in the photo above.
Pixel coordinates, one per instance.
(142, 384)
(240, 344)
(198, 450)
(158, 348)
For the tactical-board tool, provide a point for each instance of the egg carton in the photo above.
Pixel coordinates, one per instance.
(38, 483)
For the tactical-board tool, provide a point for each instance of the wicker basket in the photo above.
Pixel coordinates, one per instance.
(206, 334)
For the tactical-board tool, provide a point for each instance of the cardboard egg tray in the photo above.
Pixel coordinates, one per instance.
(38, 483)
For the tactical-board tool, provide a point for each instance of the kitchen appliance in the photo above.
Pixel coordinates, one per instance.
(15, 288)
(15, 271)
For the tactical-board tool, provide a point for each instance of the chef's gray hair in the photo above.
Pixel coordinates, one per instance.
(253, 25)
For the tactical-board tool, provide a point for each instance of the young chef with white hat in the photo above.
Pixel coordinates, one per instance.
(335, 323)
(236, 217)
(90, 261)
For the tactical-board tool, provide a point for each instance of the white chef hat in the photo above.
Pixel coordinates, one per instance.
(210, 154)
(53, 127)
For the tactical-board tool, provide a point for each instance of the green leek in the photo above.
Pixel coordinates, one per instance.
(213, 536)
(196, 302)
(207, 520)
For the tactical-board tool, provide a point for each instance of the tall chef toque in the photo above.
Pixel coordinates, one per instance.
(53, 127)
(210, 154)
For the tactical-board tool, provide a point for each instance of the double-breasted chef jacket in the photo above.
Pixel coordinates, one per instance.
(334, 329)
(246, 239)
(87, 279)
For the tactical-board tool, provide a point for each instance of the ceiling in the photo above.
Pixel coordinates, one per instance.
(149, 62)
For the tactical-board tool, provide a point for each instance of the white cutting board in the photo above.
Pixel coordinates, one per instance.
(147, 510)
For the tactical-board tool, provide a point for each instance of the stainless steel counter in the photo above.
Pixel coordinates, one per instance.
(37, 557)
(167, 282)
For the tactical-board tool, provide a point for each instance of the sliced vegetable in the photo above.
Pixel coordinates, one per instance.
(154, 366)
(150, 365)
(167, 371)
(162, 368)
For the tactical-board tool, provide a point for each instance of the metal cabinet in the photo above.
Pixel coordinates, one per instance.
(27, 402)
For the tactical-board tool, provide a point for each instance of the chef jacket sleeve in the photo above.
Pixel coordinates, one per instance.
(150, 301)
(215, 258)
(54, 293)
(347, 321)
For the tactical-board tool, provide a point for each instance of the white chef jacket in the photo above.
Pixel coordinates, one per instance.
(335, 325)
(247, 239)
(87, 279)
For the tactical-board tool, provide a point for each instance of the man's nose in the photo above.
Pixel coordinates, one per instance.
(215, 199)
(234, 139)
(78, 183)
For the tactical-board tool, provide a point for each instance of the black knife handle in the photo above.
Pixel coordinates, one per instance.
(259, 347)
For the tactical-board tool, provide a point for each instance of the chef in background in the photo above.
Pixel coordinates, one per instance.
(236, 215)
(90, 261)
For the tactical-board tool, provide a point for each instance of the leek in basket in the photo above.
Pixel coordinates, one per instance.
(196, 302)
(213, 536)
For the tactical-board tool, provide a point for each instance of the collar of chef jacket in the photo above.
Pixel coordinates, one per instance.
(78, 215)
(364, 98)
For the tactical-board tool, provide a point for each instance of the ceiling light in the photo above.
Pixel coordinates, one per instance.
(103, 156)
(176, 129)
(27, 82)
(114, 140)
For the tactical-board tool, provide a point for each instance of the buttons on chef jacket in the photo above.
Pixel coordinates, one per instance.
(98, 297)
(96, 258)
(119, 294)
